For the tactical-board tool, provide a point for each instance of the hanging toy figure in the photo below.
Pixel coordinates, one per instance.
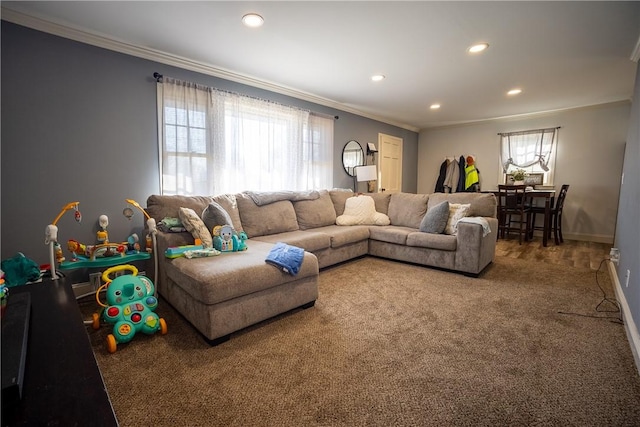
(77, 215)
(102, 235)
(472, 180)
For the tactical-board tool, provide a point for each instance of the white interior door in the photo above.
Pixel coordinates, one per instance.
(390, 163)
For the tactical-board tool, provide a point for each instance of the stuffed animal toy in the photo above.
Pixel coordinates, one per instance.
(225, 239)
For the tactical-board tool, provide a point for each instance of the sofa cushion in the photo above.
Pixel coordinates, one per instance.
(315, 213)
(382, 201)
(432, 241)
(214, 214)
(310, 240)
(482, 204)
(277, 217)
(406, 209)
(194, 224)
(457, 211)
(361, 210)
(230, 275)
(391, 234)
(435, 220)
(341, 236)
(339, 198)
(159, 207)
(230, 204)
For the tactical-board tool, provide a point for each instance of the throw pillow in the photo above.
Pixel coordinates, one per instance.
(436, 218)
(214, 214)
(195, 226)
(456, 212)
(315, 213)
(361, 210)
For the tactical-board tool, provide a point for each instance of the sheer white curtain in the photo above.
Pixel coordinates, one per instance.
(528, 148)
(215, 142)
(532, 150)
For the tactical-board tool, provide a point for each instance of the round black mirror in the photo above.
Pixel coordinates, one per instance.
(352, 156)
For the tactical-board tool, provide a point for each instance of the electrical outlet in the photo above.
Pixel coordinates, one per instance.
(626, 279)
(614, 255)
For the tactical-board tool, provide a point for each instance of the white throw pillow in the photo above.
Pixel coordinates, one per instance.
(361, 210)
(457, 211)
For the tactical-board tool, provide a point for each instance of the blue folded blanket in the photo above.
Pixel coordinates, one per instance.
(286, 257)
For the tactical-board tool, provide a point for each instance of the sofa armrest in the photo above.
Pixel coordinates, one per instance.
(164, 241)
(473, 250)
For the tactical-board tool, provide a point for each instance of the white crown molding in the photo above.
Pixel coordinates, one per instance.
(110, 43)
(525, 116)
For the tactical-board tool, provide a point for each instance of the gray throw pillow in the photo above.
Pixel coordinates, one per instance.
(214, 214)
(435, 220)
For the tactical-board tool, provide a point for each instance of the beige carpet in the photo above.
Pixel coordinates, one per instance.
(392, 344)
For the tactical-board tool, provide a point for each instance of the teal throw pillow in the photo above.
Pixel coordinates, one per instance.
(435, 220)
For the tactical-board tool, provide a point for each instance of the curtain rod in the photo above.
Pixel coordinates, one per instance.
(159, 77)
(527, 131)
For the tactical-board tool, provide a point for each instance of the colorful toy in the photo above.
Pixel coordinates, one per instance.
(130, 306)
(151, 224)
(51, 236)
(4, 294)
(225, 239)
(201, 253)
(178, 251)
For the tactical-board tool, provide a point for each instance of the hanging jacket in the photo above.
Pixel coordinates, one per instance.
(440, 183)
(452, 177)
(463, 175)
(472, 180)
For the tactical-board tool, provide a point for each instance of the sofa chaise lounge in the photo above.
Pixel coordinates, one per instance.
(222, 294)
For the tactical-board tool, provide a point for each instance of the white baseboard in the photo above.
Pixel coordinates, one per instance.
(629, 324)
(598, 238)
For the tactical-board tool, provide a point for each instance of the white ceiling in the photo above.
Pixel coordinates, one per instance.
(562, 54)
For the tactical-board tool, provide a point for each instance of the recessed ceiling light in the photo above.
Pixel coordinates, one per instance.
(435, 106)
(252, 20)
(478, 47)
(377, 77)
(514, 92)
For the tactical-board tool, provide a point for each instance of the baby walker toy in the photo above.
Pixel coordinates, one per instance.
(130, 306)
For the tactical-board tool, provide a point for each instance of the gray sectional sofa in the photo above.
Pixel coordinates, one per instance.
(222, 294)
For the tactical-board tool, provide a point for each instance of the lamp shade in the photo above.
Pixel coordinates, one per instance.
(366, 173)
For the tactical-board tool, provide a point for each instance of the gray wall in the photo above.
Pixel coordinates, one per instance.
(590, 150)
(79, 124)
(628, 226)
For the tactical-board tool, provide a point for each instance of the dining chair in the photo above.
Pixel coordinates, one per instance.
(555, 221)
(514, 214)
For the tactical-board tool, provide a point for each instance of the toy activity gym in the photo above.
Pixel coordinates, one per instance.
(131, 299)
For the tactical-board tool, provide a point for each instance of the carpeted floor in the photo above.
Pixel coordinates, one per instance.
(392, 344)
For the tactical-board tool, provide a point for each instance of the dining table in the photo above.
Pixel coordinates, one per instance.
(549, 197)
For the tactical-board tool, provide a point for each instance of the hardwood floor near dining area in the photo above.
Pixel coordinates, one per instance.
(572, 253)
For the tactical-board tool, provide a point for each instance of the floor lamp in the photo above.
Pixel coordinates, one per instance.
(366, 173)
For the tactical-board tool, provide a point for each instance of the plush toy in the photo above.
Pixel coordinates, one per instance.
(225, 239)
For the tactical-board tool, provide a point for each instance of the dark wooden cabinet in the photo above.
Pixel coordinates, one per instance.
(62, 384)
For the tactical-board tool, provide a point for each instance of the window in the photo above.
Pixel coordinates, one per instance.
(532, 150)
(215, 142)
